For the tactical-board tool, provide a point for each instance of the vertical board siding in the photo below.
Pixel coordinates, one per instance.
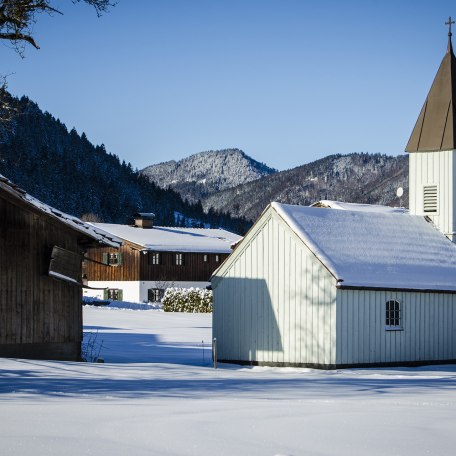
(136, 266)
(434, 168)
(275, 303)
(428, 321)
(35, 309)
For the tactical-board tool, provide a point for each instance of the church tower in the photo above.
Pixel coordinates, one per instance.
(432, 150)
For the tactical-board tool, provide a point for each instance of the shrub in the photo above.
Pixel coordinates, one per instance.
(194, 300)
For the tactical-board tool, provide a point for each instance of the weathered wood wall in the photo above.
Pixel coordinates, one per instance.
(40, 317)
(137, 266)
(97, 270)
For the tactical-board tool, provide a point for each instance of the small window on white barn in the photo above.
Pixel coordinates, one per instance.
(113, 294)
(430, 199)
(393, 320)
(179, 259)
(154, 258)
(112, 259)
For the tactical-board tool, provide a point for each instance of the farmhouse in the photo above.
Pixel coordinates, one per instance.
(154, 258)
(40, 276)
(358, 286)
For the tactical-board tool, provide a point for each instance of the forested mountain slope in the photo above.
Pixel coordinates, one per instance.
(356, 178)
(63, 169)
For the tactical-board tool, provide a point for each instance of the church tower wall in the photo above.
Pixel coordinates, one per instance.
(432, 188)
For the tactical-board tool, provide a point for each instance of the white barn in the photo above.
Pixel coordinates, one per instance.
(360, 286)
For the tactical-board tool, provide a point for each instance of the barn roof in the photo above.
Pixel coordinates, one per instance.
(174, 239)
(17, 194)
(375, 249)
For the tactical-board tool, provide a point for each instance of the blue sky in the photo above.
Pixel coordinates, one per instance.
(287, 81)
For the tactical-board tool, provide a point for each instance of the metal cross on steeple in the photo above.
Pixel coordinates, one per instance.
(449, 25)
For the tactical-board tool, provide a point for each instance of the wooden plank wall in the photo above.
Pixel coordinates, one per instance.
(136, 266)
(36, 310)
(128, 270)
(194, 268)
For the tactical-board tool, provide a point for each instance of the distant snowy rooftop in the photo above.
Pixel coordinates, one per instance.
(174, 239)
(358, 207)
(85, 228)
(376, 249)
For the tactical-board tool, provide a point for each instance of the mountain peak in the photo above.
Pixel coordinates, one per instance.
(207, 172)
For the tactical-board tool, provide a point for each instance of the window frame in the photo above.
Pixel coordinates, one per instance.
(155, 258)
(179, 259)
(394, 315)
(118, 294)
(113, 259)
(156, 294)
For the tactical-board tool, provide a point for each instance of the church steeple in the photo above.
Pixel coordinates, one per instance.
(435, 129)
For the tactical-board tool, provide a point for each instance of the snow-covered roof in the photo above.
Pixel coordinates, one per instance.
(174, 239)
(87, 229)
(376, 249)
(358, 207)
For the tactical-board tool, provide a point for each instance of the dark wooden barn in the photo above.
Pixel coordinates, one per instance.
(41, 250)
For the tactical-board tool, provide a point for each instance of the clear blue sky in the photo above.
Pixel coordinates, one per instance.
(287, 81)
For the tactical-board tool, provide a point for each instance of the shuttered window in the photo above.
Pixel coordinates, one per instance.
(113, 294)
(430, 199)
(65, 265)
(112, 259)
(393, 315)
(155, 294)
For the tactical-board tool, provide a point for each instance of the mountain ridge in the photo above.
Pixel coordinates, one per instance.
(204, 173)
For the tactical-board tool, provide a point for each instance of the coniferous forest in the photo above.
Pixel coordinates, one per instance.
(65, 170)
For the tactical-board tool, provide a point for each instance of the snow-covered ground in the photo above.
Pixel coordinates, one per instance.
(157, 394)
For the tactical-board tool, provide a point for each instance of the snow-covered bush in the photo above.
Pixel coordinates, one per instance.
(194, 300)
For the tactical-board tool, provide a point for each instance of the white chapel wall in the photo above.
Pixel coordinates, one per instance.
(434, 168)
(428, 321)
(276, 302)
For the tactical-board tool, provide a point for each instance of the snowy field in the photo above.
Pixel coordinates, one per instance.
(157, 394)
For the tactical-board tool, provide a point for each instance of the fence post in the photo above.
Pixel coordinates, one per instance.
(214, 352)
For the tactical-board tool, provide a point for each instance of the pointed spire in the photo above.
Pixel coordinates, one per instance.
(435, 128)
(450, 45)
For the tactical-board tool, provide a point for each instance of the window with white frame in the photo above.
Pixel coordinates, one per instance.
(154, 258)
(205, 258)
(217, 258)
(179, 259)
(393, 320)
